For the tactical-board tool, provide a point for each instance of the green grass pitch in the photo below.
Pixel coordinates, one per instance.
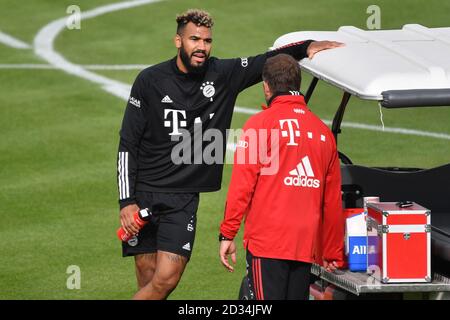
(59, 135)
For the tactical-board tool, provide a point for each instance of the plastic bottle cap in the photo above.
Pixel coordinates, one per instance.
(144, 213)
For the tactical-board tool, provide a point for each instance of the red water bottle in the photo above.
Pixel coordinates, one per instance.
(141, 218)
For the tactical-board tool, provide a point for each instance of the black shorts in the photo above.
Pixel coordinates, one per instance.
(276, 279)
(172, 226)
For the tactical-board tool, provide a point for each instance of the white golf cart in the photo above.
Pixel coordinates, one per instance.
(398, 69)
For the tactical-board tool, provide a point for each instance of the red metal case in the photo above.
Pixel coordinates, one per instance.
(399, 242)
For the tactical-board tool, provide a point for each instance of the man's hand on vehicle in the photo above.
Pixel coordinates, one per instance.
(331, 266)
(317, 46)
(126, 219)
(227, 248)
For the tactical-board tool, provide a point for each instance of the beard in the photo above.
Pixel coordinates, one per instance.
(186, 59)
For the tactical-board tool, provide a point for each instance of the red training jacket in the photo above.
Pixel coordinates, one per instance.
(296, 213)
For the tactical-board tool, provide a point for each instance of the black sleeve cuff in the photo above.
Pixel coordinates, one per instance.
(298, 50)
(126, 202)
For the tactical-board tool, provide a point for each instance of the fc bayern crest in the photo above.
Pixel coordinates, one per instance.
(208, 89)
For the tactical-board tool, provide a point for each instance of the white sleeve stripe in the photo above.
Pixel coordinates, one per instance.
(124, 184)
(127, 184)
(119, 175)
(122, 176)
(124, 195)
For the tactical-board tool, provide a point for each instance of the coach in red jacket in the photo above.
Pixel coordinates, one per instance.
(286, 181)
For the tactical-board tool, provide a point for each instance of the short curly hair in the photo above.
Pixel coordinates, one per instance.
(196, 16)
(282, 73)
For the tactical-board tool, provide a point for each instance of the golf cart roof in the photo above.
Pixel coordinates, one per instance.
(399, 68)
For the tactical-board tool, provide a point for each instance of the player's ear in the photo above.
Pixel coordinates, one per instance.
(177, 41)
(266, 89)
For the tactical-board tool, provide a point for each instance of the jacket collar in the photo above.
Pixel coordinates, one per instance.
(282, 97)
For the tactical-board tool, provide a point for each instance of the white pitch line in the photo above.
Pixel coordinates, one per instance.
(116, 66)
(43, 47)
(411, 132)
(370, 127)
(88, 66)
(26, 66)
(13, 42)
(245, 110)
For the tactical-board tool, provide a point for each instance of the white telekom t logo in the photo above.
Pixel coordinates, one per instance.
(292, 132)
(175, 113)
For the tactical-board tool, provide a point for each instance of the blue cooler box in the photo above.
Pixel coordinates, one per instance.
(356, 239)
(357, 253)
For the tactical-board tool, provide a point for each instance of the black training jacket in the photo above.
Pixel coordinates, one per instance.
(169, 110)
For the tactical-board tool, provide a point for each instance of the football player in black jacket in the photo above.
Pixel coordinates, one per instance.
(170, 151)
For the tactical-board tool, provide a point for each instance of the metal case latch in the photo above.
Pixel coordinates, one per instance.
(382, 228)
